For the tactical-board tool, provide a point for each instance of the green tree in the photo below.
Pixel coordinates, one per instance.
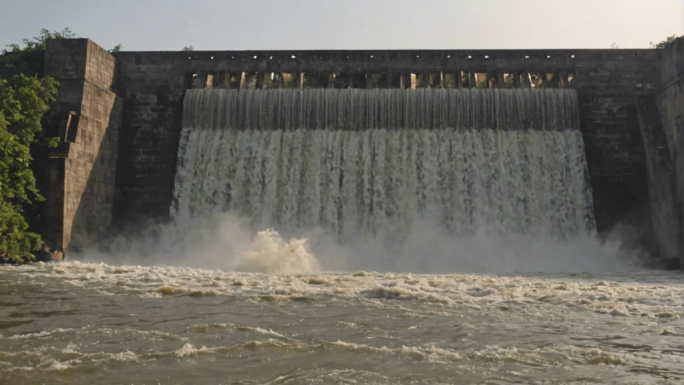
(25, 98)
(24, 101)
(188, 48)
(117, 48)
(17, 187)
(29, 59)
(668, 40)
(38, 43)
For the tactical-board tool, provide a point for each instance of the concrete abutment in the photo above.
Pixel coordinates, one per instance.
(81, 170)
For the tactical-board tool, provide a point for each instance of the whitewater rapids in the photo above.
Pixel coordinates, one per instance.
(85, 323)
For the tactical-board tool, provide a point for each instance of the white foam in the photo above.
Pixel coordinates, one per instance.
(187, 350)
(217, 241)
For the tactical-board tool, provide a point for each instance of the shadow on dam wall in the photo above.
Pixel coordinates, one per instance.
(119, 171)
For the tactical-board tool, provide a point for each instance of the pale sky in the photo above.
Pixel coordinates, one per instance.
(156, 25)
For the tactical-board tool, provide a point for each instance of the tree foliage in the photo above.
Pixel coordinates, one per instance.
(25, 98)
(24, 101)
(17, 187)
(38, 43)
(29, 59)
(668, 40)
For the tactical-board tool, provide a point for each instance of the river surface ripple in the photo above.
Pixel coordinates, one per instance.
(86, 323)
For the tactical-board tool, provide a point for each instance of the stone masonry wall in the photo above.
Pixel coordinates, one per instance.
(65, 60)
(670, 100)
(86, 159)
(671, 95)
(152, 85)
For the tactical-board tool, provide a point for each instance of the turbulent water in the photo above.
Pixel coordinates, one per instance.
(86, 323)
(486, 190)
(373, 162)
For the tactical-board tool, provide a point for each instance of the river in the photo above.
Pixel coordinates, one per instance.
(84, 323)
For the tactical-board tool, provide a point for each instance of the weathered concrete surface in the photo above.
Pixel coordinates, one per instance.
(82, 169)
(671, 105)
(666, 215)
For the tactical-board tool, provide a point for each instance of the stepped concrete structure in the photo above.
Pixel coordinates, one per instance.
(121, 117)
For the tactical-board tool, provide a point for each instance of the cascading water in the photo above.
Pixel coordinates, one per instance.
(359, 162)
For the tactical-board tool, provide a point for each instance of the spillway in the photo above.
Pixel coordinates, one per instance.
(378, 162)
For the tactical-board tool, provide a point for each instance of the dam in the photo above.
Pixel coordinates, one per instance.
(556, 142)
(450, 216)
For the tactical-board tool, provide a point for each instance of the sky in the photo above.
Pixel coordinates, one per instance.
(159, 25)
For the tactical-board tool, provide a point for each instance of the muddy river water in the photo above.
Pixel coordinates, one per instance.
(93, 323)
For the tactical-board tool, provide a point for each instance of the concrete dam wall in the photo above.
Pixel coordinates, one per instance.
(123, 119)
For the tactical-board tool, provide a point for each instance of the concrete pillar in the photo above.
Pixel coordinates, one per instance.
(526, 80)
(563, 79)
(553, 83)
(500, 79)
(224, 79)
(545, 80)
(209, 81)
(198, 81)
(331, 80)
(259, 80)
(243, 78)
(299, 80)
(423, 80)
(404, 81)
(435, 80)
(472, 80)
(277, 80)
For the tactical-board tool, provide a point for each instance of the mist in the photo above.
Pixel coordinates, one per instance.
(226, 242)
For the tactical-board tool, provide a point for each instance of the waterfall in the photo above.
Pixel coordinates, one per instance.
(377, 162)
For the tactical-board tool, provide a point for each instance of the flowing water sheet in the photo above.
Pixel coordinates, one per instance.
(375, 163)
